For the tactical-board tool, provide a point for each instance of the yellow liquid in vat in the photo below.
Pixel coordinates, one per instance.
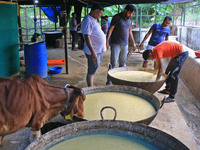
(136, 76)
(99, 142)
(129, 107)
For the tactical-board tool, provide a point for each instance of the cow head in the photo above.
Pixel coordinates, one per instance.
(74, 106)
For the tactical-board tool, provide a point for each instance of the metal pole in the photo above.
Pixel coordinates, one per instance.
(174, 12)
(35, 19)
(65, 13)
(140, 24)
(155, 13)
(55, 17)
(184, 10)
(40, 23)
(26, 24)
(87, 9)
(20, 30)
(137, 16)
(182, 15)
(65, 38)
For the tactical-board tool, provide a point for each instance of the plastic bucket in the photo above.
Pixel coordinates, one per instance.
(36, 59)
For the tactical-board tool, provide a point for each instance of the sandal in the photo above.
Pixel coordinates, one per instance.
(165, 91)
(168, 99)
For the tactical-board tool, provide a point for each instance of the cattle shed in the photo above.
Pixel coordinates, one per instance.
(65, 8)
(179, 119)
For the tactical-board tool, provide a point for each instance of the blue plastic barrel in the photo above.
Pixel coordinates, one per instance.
(36, 59)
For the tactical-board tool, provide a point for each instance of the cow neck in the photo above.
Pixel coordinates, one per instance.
(69, 105)
(68, 96)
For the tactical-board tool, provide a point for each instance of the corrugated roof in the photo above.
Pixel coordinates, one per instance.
(115, 2)
(109, 2)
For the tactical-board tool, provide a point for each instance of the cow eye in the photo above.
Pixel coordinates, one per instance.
(82, 92)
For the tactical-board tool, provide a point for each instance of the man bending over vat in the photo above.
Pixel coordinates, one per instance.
(178, 56)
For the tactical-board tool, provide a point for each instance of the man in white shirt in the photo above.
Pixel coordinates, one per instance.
(95, 41)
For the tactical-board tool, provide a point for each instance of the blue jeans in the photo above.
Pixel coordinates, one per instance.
(173, 69)
(118, 52)
(92, 68)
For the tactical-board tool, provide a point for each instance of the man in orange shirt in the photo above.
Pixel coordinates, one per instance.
(178, 56)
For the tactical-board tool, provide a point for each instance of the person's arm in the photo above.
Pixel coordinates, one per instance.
(110, 30)
(75, 25)
(160, 69)
(132, 38)
(145, 38)
(78, 24)
(89, 44)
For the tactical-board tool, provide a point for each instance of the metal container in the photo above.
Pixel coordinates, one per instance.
(141, 132)
(130, 90)
(148, 86)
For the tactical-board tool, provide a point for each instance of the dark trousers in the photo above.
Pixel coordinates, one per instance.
(173, 70)
(74, 35)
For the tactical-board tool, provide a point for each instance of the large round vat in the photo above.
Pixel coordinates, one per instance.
(151, 86)
(36, 59)
(91, 106)
(146, 137)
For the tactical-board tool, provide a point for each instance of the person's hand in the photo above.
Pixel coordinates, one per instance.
(94, 58)
(107, 45)
(158, 78)
(134, 47)
(145, 63)
(143, 69)
(155, 65)
(141, 46)
(79, 24)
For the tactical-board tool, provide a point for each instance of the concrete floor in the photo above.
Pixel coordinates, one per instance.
(180, 119)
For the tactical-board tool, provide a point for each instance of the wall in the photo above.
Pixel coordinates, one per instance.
(189, 36)
(190, 72)
(9, 50)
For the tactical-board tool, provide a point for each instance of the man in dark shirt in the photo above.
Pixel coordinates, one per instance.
(73, 29)
(120, 31)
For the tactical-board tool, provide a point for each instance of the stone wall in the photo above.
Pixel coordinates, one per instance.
(190, 73)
